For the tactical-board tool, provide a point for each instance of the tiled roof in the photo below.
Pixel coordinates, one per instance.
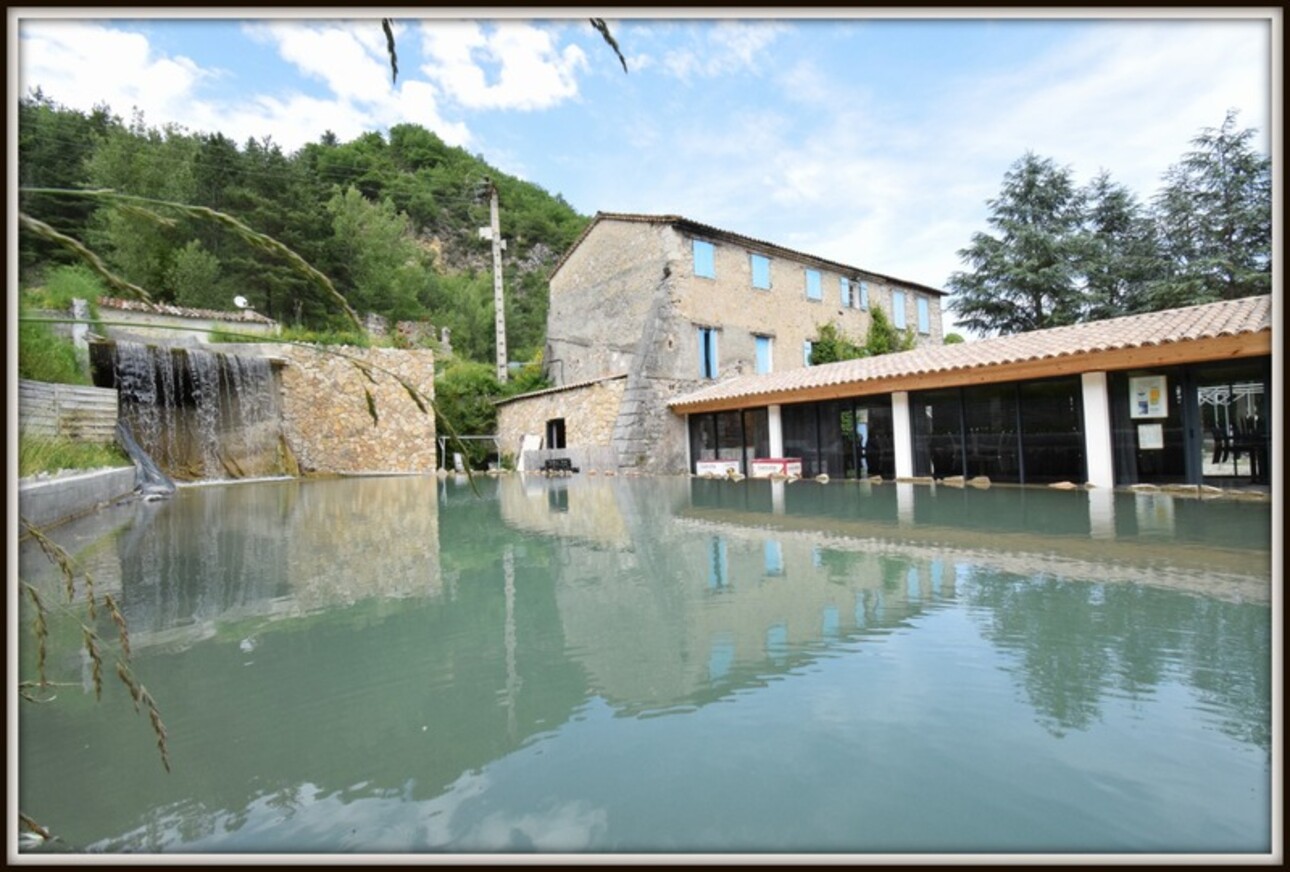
(242, 315)
(711, 232)
(568, 387)
(1209, 321)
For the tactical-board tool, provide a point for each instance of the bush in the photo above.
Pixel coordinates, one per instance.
(48, 454)
(464, 393)
(44, 357)
(64, 284)
(325, 337)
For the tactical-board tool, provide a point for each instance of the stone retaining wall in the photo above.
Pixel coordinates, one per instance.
(325, 417)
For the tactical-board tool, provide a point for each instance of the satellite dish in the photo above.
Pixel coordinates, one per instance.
(240, 302)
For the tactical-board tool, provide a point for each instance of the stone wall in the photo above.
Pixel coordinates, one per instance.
(589, 413)
(600, 298)
(325, 417)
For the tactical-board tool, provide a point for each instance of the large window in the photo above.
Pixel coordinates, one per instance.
(705, 259)
(844, 291)
(1028, 432)
(843, 438)
(1052, 431)
(813, 288)
(990, 418)
(763, 362)
(937, 420)
(707, 352)
(924, 316)
(737, 435)
(801, 436)
(760, 271)
(898, 310)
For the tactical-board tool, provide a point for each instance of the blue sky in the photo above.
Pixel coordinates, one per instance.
(875, 141)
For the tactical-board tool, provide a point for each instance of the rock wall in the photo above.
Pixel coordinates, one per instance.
(325, 417)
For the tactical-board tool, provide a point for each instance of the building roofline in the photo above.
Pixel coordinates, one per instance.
(242, 315)
(1211, 331)
(699, 229)
(569, 387)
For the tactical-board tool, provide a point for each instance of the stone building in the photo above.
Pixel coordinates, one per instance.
(675, 305)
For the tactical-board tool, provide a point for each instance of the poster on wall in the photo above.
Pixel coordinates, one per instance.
(1147, 397)
(1151, 437)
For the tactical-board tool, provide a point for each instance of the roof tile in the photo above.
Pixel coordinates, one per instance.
(1211, 320)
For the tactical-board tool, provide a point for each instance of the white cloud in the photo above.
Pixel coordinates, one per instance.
(721, 49)
(343, 55)
(84, 63)
(528, 71)
(81, 63)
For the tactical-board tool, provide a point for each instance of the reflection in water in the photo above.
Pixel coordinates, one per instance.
(668, 665)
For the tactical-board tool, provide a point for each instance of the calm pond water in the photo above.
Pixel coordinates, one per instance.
(663, 665)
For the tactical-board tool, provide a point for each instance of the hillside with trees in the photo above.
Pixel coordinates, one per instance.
(391, 219)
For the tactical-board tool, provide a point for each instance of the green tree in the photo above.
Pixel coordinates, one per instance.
(883, 336)
(1026, 276)
(1214, 218)
(54, 147)
(193, 278)
(1121, 256)
(464, 398)
(382, 268)
(832, 344)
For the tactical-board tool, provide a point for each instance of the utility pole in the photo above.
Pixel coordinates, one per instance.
(494, 232)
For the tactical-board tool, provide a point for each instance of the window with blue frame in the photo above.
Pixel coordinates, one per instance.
(924, 316)
(864, 295)
(763, 355)
(760, 271)
(813, 291)
(806, 353)
(707, 352)
(898, 310)
(844, 290)
(705, 259)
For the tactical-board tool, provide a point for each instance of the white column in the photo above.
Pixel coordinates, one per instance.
(1097, 429)
(776, 427)
(903, 433)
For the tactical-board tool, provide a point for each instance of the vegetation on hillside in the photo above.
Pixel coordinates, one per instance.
(392, 220)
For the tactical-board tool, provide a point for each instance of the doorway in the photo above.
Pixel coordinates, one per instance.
(555, 433)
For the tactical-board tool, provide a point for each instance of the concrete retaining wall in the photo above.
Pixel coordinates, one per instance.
(46, 503)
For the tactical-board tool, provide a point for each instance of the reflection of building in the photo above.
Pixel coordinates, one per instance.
(676, 304)
(1045, 406)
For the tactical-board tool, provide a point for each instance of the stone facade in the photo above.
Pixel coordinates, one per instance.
(325, 417)
(627, 298)
(589, 412)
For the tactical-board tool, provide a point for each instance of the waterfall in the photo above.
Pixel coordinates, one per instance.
(200, 414)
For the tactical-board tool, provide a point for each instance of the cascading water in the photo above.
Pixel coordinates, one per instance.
(200, 414)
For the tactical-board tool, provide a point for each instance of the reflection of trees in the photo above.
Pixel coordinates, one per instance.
(1079, 641)
(1054, 628)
